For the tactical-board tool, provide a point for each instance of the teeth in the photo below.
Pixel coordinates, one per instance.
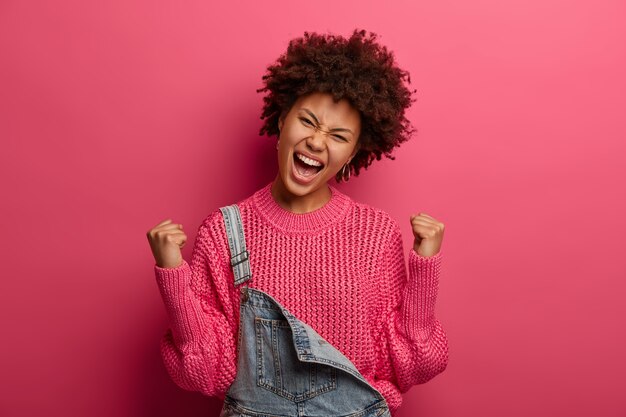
(308, 161)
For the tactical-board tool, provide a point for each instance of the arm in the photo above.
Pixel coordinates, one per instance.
(413, 348)
(199, 349)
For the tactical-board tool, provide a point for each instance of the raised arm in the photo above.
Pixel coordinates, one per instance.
(199, 348)
(413, 348)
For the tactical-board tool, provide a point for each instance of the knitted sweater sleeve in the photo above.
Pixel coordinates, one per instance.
(199, 348)
(413, 347)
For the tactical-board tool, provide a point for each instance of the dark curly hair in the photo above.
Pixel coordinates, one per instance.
(357, 69)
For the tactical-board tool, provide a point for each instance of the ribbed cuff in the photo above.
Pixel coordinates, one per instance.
(420, 294)
(183, 307)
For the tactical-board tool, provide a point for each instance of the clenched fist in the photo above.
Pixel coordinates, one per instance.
(428, 234)
(166, 239)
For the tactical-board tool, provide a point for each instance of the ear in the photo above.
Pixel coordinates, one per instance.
(281, 120)
(356, 149)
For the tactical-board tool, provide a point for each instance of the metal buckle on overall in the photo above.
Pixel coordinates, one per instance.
(233, 261)
(244, 292)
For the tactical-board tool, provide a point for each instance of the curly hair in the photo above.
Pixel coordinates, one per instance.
(357, 69)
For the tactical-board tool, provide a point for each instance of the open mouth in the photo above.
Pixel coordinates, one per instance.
(304, 169)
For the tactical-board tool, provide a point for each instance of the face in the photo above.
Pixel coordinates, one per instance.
(321, 129)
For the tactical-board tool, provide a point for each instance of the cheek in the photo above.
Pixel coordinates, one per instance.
(338, 155)
(297, 132)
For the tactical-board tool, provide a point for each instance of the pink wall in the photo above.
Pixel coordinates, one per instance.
(115, 115)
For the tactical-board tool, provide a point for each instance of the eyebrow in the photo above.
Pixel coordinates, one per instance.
(337, 129)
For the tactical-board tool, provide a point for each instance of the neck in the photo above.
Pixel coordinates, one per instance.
(299, 203)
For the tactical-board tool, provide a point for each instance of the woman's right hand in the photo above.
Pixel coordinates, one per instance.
(166, 240)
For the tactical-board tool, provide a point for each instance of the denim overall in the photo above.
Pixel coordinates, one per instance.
(284, 368)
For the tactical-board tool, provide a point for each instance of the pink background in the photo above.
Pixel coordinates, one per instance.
(116, 115)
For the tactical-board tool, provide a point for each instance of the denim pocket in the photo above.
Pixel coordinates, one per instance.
(278, 368)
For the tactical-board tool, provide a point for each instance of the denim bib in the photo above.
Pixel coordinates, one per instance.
(284, 367)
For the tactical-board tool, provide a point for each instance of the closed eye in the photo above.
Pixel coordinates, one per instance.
(304, 119)
(307, 121)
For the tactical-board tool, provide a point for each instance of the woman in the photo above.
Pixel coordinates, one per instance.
(337, 265)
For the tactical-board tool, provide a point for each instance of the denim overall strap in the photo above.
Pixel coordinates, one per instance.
(239, 255)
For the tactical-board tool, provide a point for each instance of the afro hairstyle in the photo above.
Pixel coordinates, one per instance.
(357, 69)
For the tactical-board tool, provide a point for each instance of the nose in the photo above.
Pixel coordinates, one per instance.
(316, 140)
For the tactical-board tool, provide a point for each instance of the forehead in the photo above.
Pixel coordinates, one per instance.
(327, 110)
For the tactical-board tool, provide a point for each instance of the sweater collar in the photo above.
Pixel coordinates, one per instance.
(313, 221)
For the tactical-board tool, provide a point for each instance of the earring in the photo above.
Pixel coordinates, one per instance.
(277, 144)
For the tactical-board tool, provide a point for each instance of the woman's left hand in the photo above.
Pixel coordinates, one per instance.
(428, 234)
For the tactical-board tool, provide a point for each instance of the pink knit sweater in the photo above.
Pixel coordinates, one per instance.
(340, 268)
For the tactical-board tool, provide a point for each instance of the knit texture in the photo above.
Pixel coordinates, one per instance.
(341, 269)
